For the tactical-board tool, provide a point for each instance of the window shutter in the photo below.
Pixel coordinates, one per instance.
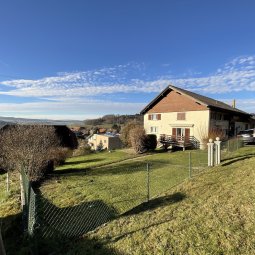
(181, 116)
(149, 116)
(174, 132)
(187, 134)
(159, 117)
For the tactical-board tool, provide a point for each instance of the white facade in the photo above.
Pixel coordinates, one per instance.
(196, 121)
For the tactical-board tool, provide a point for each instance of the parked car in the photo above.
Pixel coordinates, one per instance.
(248, 135)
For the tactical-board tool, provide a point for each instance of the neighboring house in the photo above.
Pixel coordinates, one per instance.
(184, 115)
(108, 141)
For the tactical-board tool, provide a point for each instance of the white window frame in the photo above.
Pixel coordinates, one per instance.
(154, 116)
(154, 130)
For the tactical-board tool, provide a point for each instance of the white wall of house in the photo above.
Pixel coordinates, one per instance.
(196, 121)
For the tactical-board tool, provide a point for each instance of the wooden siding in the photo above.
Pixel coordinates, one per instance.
(175, 102)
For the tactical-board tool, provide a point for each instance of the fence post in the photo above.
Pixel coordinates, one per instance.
(210, 152)
(148, 181)
(217, 151)
(228, 145)
(190, 166)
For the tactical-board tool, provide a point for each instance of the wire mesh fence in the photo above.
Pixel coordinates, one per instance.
(106, 194)
(230, 146)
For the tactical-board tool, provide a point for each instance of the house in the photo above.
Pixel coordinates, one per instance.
(187, 117)
(108, 141)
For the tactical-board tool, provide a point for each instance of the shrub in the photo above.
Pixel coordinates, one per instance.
(30, 148)
(138, 139)
(151, 142)
(83, 149)
(211, 134)
(125, 133)
(60, 155)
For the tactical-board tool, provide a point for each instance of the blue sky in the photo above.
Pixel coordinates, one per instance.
(83, 59)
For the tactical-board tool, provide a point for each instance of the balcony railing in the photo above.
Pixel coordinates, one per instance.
(178, 141)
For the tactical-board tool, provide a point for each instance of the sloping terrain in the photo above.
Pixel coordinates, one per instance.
(211, 214)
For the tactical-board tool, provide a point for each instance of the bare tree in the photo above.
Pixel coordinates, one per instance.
(138, 139)
(125, 133)
(28, 147)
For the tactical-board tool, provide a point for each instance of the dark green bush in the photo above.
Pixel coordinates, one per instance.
(151, 142)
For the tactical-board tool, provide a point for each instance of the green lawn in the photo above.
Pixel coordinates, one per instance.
(210, 214)
(183, 217)
(122, 185)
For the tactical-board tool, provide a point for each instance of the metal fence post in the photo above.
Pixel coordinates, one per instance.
(190, 166)
(148, 182)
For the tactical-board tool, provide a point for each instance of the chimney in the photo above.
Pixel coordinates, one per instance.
(234, 103)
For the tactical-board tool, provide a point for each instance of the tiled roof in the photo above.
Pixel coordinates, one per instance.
(209, 102)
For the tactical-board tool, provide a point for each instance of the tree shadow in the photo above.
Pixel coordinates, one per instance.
(70, 171)
(17, 242)
(57, 229)
(119, 169)
(250, 155)
(156, 203)
(82, 161)
(234, 160)
(72, 221)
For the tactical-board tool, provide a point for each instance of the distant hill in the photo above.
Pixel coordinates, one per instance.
(6, 120)
(112, 119)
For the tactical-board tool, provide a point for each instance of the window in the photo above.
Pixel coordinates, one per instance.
(104, 141)
(217, 116)
(181, 116)
(154, 116)
(154, 129)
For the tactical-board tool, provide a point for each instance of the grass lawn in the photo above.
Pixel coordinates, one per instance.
(210, 214)
(121, 185)
(183, 217)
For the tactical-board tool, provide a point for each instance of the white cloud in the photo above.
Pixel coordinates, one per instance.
(71, 93)
(236, 75)
(72, 109)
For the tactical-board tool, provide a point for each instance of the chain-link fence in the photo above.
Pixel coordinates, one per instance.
(95, 196)
(230, 146)
(108, 193)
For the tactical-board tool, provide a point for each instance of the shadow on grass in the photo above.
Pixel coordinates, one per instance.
(72, 221)
(238, 156)
(156, 203)
(70, 171)
(56, 229)
(82, 162)
(127, 168)
(17, 242)
(236, 159)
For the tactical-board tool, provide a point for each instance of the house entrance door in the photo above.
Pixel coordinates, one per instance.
(181, 134)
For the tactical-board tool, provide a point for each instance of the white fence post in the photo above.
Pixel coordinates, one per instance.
(217, 151)
(210, 152)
